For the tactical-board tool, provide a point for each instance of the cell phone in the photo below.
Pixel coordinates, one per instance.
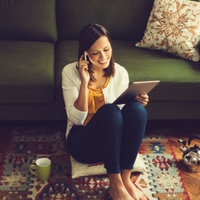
(85, 55)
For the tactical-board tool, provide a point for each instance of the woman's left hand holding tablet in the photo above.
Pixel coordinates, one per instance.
(143, 99)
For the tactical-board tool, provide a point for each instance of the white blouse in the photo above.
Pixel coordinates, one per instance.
(71, 85)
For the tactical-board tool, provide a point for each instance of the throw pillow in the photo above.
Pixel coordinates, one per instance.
(174, 26)
(81, 169)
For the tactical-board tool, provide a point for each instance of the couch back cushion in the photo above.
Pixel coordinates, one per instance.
(124, 19)
(28, 20)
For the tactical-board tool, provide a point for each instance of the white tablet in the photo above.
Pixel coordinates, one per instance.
(136, 88)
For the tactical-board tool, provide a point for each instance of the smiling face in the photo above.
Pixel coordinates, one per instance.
(100, 53)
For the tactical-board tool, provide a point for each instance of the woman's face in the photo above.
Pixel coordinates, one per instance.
(100, 53)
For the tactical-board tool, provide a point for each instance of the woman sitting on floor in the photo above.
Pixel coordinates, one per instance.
(97, 130)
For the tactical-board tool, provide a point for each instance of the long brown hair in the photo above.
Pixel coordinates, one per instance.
(88, 36)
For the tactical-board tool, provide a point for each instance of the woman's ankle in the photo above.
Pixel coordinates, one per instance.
(125, 174)
(115, 180)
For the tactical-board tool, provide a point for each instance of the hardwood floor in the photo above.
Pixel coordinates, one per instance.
(173, 129)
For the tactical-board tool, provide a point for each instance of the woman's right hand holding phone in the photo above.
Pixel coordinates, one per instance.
(83, 70)
(81, 102)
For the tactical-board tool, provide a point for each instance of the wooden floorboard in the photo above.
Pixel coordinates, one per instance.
(181, 129)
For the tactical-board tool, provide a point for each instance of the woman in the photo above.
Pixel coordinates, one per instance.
(97, 130)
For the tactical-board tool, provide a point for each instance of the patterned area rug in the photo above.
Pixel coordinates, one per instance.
(162, 181)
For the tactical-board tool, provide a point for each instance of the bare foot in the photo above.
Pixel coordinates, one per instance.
(116, 189)
(135, 193)
(119, 193)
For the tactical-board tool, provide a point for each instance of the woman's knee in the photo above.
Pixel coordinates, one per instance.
(136, 110)
(110, 107)
(110, 111)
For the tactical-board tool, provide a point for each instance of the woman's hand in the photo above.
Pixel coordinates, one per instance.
(81, 102)
(83, 70)
(143, 99)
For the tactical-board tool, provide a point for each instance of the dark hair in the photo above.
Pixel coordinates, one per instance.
(88, 36)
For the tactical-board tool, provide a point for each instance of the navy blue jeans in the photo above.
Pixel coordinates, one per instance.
(112, 136)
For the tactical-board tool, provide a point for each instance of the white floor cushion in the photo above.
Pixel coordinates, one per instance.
(81, 169)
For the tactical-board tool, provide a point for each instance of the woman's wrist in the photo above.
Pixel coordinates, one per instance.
(84, 84)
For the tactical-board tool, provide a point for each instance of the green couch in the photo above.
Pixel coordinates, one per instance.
(39, 37)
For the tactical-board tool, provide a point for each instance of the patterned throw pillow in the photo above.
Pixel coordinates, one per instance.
(81, 169)
(174, 26)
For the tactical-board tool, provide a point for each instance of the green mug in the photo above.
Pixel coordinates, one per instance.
(42, 168)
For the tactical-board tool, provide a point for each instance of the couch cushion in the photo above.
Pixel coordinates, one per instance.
(27, 72)
(180, 79)
(28, 20)
(120, 17)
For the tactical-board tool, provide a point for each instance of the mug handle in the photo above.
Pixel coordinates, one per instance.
(30, 168)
